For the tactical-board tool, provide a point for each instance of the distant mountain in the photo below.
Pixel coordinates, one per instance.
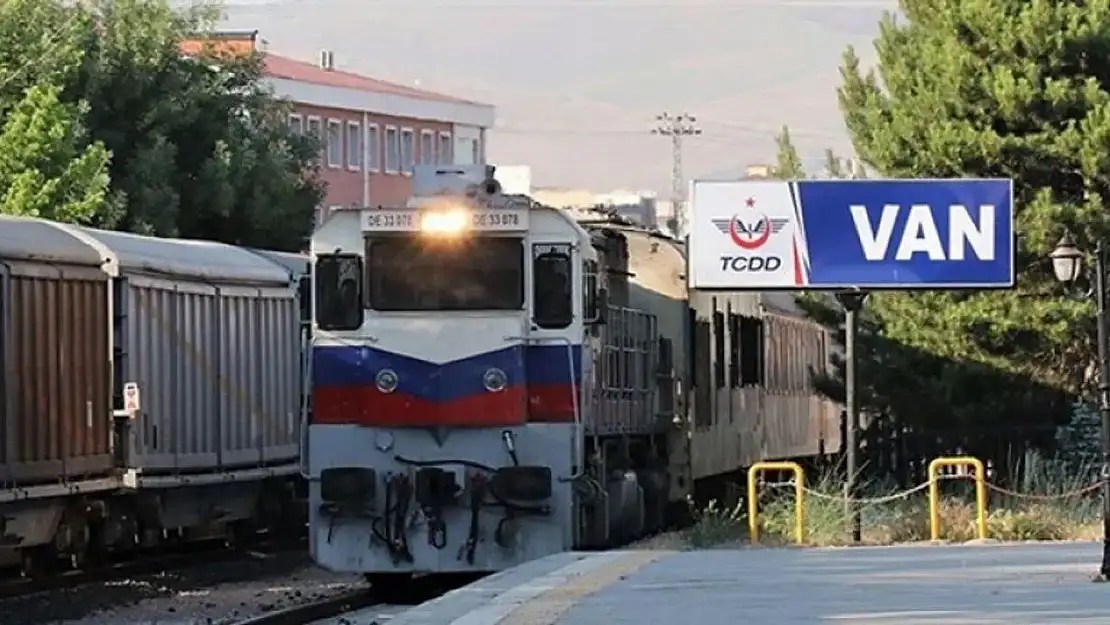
(577, 83)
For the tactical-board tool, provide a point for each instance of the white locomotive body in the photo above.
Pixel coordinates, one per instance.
(447, 364)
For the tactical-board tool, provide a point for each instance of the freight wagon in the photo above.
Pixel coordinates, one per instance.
(209, 334)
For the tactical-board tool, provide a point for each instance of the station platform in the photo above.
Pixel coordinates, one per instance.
(1015, 584)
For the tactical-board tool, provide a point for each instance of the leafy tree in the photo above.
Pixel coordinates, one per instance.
(48, 168)
(988, 88)
(199, 147)
(43, 171)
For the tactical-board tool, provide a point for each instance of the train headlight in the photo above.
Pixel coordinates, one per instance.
(495, 380)
(450, 222)
(386, 380)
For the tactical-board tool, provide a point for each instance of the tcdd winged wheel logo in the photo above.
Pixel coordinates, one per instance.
(753, 233)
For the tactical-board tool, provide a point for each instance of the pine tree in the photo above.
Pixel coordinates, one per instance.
(988, 88)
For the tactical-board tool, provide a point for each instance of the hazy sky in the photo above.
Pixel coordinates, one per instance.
(577, 83)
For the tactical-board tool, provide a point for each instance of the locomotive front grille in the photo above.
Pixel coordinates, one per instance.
(523, 483)
(348, 490)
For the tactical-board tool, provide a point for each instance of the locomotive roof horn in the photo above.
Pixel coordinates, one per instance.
(490, 186)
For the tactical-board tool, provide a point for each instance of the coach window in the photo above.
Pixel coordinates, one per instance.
(551, 286)
(733, 349)
(751, 351)
(338, 286)
(719, 362)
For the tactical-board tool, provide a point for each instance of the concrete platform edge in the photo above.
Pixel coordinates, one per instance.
(494, 598)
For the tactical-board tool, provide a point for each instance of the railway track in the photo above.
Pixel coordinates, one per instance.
(317, 610)
(421, 589)
(13, 585)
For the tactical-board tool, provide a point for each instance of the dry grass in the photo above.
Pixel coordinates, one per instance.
(1043, 516)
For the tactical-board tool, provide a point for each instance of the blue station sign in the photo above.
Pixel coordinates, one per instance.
(836, 234)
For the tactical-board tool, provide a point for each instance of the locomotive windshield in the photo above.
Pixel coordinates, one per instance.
(411, 273)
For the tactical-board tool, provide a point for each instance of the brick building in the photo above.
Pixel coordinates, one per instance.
(373, 131)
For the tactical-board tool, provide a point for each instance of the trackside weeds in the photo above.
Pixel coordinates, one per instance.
(1049, 505)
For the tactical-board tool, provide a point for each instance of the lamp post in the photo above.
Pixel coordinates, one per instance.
(1067, 261)
(853, 302)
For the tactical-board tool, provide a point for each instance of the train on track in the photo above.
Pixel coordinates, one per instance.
(151, 391)
(494, 380)
(457, 386)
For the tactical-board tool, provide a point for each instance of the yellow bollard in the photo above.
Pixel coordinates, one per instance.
(799, 497)
(980, 478)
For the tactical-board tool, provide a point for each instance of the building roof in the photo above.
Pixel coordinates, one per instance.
(277, 66)
(320, 84)
(291, 69)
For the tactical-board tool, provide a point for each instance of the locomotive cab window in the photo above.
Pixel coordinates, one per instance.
(418, 273)
(552, 295)
(338, 286)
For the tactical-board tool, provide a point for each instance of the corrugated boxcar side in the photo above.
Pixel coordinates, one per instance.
(220, 371)
(57, 374)
(260, 362)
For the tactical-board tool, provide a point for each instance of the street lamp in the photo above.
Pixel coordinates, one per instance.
(1067, 261)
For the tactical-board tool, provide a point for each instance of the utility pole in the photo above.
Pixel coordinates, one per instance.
(677, 127)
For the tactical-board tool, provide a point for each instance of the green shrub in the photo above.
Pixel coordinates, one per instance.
(1044, 511)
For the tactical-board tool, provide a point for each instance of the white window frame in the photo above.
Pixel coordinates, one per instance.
(445, 138)
(372, 157)
(300, 125)
(476, 150)
(355, 163)
(337, 162)
(320, 130)
(407, 164)
(430, 157)
(392, 168)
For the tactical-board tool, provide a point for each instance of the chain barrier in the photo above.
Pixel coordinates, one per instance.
(1093, 486)
(863, 501)
(904, 494)
(802, 490)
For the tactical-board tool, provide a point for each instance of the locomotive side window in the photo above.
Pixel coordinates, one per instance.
(304, 295)
(552, 296)
(589, 291)
(338, 285)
